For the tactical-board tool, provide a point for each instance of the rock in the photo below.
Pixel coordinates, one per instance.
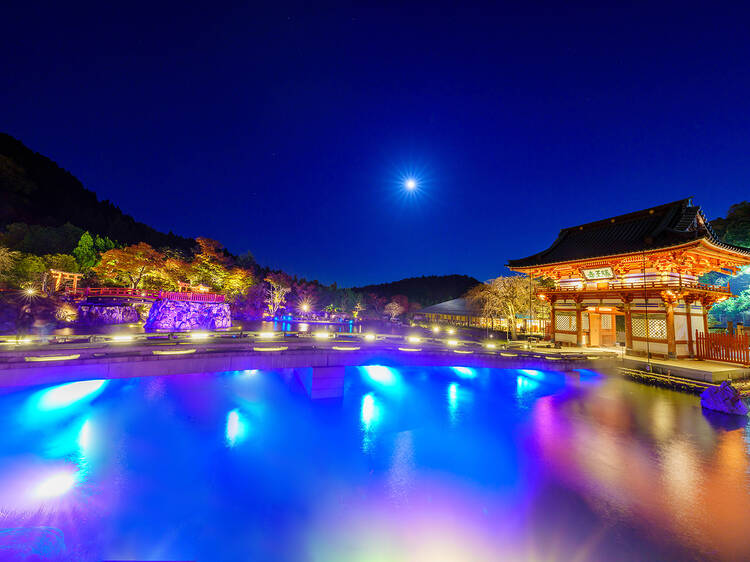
(724, 398)
(93, 314)
(31, 543)
(172, 315)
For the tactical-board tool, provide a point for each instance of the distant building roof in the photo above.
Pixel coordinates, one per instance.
(653, 228)
(455, 307)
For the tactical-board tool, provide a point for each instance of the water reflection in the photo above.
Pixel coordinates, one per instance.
(413, 464)
(650, 454)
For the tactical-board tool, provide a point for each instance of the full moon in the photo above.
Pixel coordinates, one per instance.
(410, 184)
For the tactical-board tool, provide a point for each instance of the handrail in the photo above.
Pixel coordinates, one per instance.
(144, 294)
(619, 285)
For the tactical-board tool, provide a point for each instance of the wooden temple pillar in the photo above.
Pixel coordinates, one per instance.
(579, 320)
(552, 300)
(669, 302)
(627, 299)
(689, 299)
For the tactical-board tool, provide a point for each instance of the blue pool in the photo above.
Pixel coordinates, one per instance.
(413, 464)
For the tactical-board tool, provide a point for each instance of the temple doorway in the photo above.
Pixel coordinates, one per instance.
(606, 327)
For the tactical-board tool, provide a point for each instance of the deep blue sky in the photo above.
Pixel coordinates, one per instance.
(286, 130)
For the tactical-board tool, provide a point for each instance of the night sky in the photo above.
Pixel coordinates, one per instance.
(288, 131)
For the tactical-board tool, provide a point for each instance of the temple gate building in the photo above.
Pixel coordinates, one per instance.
(633, 280)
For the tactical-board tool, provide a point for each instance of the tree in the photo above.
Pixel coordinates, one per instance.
(85, 253)
(394, 309)
(210, 265)
(28, 271)
(131, 265)
(359, 305)
(506, 297)
(237, 281)
(8, 259)
(61, 262)
(277, 289)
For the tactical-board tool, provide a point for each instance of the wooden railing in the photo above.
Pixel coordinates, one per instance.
(620, 286)
(729, 348)
(147, 295)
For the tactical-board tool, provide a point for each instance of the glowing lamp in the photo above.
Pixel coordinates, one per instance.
(321, 335)
(452, 343)
(451, 331)
(266, 335)
(122, 338)
(413, 339)
(369, 337)
(436, 329)
(199, 336)
(410, 184)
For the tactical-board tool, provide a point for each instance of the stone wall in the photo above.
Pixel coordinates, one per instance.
(168, 315)
(95, 315)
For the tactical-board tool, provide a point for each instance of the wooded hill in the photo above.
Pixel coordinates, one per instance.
(36, 191)
(426, 290)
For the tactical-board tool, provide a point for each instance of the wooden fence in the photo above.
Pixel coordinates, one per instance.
(723, 347)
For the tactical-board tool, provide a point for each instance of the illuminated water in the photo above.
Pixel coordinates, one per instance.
(418, 464)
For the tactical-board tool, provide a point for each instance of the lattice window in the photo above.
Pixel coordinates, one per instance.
(585, 320)
(657, 326)
(565, 321)
(606, 321)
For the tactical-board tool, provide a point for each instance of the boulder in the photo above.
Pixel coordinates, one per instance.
(98, 315)
(171, 315)
(724, 398)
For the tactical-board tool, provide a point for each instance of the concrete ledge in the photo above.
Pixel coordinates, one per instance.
(97, 362)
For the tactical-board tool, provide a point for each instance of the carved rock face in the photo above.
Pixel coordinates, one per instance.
(724, 398)
(99, 315)
(169, 315)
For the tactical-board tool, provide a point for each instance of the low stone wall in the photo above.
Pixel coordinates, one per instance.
(96, 315)
(168, 315)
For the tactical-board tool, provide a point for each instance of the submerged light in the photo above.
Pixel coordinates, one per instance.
(321, 335)
(56, 485)
(452, 343)
(370, 337)
(380, 374)
(413, 339)
(465, 372)
(66, 394)
(266, 335)
(199, 335)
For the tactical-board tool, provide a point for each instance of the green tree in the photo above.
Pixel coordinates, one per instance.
(27, 271)
(61, 262)
(85, 253)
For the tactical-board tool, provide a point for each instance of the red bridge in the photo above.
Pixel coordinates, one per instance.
(138, 294)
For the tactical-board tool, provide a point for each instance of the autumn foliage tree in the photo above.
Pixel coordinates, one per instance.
(131, 265)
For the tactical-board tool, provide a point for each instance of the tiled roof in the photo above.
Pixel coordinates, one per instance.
(657, 227)
(456, 307)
